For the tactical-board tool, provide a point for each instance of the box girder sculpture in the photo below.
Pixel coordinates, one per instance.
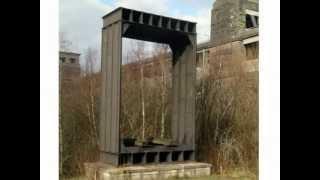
(180, 35)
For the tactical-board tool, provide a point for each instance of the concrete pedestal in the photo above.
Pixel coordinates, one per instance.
(98, 171)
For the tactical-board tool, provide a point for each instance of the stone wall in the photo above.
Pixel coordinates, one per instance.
(226, 60)
(69, 67)
(96, 171)
(228, 18)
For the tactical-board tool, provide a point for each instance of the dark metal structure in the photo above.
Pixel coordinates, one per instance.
(181, 36)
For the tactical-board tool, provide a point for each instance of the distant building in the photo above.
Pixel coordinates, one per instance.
(231, 18)
(69, 66)
(234, 35)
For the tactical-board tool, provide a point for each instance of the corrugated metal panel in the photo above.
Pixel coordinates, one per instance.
(175, 98)
(102, 123)
(182, 100)
(111, 64)
(109, 89)
(117, 57)
(190, 87)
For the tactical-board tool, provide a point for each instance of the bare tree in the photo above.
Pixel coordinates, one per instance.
(140, 57)
(147, 75)
(161, 52)
(90, 63)
(227, 116)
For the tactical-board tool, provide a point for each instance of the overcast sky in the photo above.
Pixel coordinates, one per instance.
(81, 20)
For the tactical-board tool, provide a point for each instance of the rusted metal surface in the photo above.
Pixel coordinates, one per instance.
(181, 36)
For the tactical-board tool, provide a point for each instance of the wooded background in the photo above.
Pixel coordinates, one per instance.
(226, 110)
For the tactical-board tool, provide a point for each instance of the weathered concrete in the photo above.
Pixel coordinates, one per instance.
(69, 66)
(228, 18)
(231, 39)
(98, 171)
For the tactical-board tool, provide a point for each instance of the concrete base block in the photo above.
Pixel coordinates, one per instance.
(99, 171)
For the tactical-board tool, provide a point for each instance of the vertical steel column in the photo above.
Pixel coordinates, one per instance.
(184, 75)
(110, 103)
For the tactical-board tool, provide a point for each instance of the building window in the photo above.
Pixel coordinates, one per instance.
(203, 58)
(72, 60)
(206, 57)
(63, 59)
(199, 59)
(257, 20)
(252, 21)
(252, 51)
(252, 18)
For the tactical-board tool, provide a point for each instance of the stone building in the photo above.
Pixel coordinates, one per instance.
(234, 35)
(69, 66)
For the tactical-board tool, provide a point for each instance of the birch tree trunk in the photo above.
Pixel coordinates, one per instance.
(163, 89)
(142, 100)
(140, 58)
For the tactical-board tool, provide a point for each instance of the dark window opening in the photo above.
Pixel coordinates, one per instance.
(72, 60)
(163, 157)
(199, 59)
(191, 28)
(146, 18)
(174, 24)
(207, 54)
(151, 157)
(165, 22)
(257, 19)
(176, 156)
(252, 21)
(252, 51)
(249, 23)
(155, 20)
(138, 158)
(126, 15)
(63, 59)
(187, 155)
(136, 16)
(183, 26)
(202, 58)
(126, 159)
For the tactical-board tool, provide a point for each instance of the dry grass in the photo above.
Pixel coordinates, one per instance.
(227, 119)
(227, 122)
